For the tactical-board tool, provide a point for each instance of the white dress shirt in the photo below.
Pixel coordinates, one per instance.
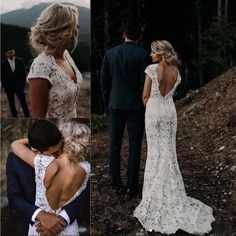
(12, 64)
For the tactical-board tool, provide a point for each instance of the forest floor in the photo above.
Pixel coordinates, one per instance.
(206, 151)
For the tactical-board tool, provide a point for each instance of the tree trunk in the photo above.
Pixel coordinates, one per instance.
(199, 26)
(219, 8)
(106, 24)
(226, 9)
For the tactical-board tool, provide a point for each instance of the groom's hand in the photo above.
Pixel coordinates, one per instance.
(51, 222)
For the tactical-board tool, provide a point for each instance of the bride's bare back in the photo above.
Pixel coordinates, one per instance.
(167, 78)
(62, 180)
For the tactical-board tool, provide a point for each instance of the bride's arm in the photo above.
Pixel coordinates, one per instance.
(147, 89)
(20, 149)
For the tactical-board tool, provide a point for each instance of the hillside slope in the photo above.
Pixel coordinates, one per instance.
(207, 126)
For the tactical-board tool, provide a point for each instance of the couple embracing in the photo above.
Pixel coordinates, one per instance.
(47, 176)
(137, 101)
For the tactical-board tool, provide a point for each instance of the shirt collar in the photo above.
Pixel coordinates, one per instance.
(13, 60)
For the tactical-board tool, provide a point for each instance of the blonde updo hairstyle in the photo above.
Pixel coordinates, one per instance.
(55, 29)
(76, 140)
(164, 49)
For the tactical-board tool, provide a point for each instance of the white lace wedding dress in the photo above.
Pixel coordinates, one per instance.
(41, 162)
(165, 207)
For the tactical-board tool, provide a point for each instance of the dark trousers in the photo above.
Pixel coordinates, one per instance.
(11, 100)
(134, 119)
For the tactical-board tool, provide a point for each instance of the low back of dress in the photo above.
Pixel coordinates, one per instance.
(155, 90)
(62, 180)
(41, 164)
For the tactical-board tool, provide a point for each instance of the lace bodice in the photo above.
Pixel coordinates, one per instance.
(165, 207)
(64, 92)
(41, 162)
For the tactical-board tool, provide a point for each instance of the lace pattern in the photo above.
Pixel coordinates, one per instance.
(165, 207)
(64, 92)
(41, 162)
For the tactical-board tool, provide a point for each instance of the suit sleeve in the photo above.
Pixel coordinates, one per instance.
(105, 81)
(15, 192)
(73, 208)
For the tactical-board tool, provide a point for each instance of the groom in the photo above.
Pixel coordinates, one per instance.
(45, 138)
(122, 80)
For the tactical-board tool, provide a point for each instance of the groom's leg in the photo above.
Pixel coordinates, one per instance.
(135, 125)
(117, 125)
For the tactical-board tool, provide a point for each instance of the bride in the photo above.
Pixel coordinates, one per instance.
(59, 180)
(165, 207)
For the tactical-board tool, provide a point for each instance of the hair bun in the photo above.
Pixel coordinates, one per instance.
(76, 140)
(165, 49)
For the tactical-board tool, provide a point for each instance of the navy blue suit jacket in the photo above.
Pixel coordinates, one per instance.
(122, 76)
(21, 193)
(13, 81)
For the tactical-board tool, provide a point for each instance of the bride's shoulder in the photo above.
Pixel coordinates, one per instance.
(152, 67)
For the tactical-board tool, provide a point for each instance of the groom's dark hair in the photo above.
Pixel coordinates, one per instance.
(43, 134)
(132, 29)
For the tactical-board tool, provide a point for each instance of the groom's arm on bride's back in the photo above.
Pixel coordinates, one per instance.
(15, 191)
(21, 194)
(77, 205)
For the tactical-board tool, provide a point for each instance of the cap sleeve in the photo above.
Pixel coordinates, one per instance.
(41, 162)
(151, 71)
(86, 166)
(40, 68)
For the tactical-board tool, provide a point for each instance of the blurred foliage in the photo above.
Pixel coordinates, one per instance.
(81, 55)
(218, 48)
(99, 123)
